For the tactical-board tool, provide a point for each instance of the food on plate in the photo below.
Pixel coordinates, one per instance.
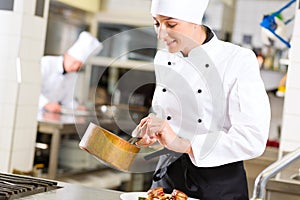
(178, 195)
(158, 194)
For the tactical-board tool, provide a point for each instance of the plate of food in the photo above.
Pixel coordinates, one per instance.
(155, 193)
(134, 196)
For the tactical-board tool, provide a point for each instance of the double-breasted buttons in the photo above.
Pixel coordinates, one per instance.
(171, 63)
(199, 91)
(206, 65)
(169, 117)
(164, 89)
(199, 120)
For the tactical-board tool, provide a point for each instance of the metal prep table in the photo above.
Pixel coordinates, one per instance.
(75, 192)
(57, 125)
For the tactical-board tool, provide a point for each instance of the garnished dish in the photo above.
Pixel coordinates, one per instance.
(159, 194)
(155, 194)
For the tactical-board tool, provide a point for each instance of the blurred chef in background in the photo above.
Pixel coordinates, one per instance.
(59, 74)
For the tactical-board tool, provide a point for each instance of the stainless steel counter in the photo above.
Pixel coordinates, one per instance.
(278, 189)
(75, 192)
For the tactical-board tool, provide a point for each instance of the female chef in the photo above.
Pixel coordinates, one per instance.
(211, 108)
(59, 73)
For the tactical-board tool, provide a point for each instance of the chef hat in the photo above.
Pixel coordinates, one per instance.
(186, 10)
(85, 46)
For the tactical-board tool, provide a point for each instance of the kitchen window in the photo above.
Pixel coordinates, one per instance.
(39, 8)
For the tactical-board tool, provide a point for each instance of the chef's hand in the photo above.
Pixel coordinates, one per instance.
(51, 116)
(53, 107)
(141, 132)
(156, 129)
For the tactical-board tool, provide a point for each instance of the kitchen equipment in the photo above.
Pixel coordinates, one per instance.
(16, 186)
(133, 140)
(136, 135)
(63, 28)
(275, 26)
(70, 157)
(43, 189)
(108, 147)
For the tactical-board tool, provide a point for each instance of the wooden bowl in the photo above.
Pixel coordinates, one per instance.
(108, 147)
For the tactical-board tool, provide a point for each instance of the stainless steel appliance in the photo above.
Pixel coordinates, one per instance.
(64, 26)
(16, 186)
(50, 190)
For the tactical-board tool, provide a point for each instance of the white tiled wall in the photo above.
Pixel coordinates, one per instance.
(31, 49)
(24, 7)
(30, 70)
(8, 44)
(8, 91)
(292, 99)
(7, 113)
(290, 137)
(25, 139)
(25, 115)
(5, 139)
(7, 73)
(11, 21)
(7, 116)
(23, 159)
(294, 71)
(296, 48)
(4, 155)
(249, 14)
(22, 36)
(39, 27)
(26, 96)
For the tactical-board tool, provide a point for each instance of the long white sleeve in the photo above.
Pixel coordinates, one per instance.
(248, 113)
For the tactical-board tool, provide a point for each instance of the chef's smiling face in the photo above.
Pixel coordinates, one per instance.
(178, 35)
(71, 64)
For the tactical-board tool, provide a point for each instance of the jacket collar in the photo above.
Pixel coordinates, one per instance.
(210, 47)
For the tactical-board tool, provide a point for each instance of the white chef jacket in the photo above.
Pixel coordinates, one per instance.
(56, 86)
(219, 103)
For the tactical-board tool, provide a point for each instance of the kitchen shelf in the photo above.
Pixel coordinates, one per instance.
(118, 63)
(128, 18)
(86, 5)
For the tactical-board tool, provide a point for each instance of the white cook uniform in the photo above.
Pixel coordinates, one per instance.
(56, 86)
(187, 102)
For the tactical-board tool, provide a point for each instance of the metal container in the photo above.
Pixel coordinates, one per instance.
(63, 28)
(108, 147)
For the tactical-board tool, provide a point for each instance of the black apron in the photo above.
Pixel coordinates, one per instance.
(226, 182)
